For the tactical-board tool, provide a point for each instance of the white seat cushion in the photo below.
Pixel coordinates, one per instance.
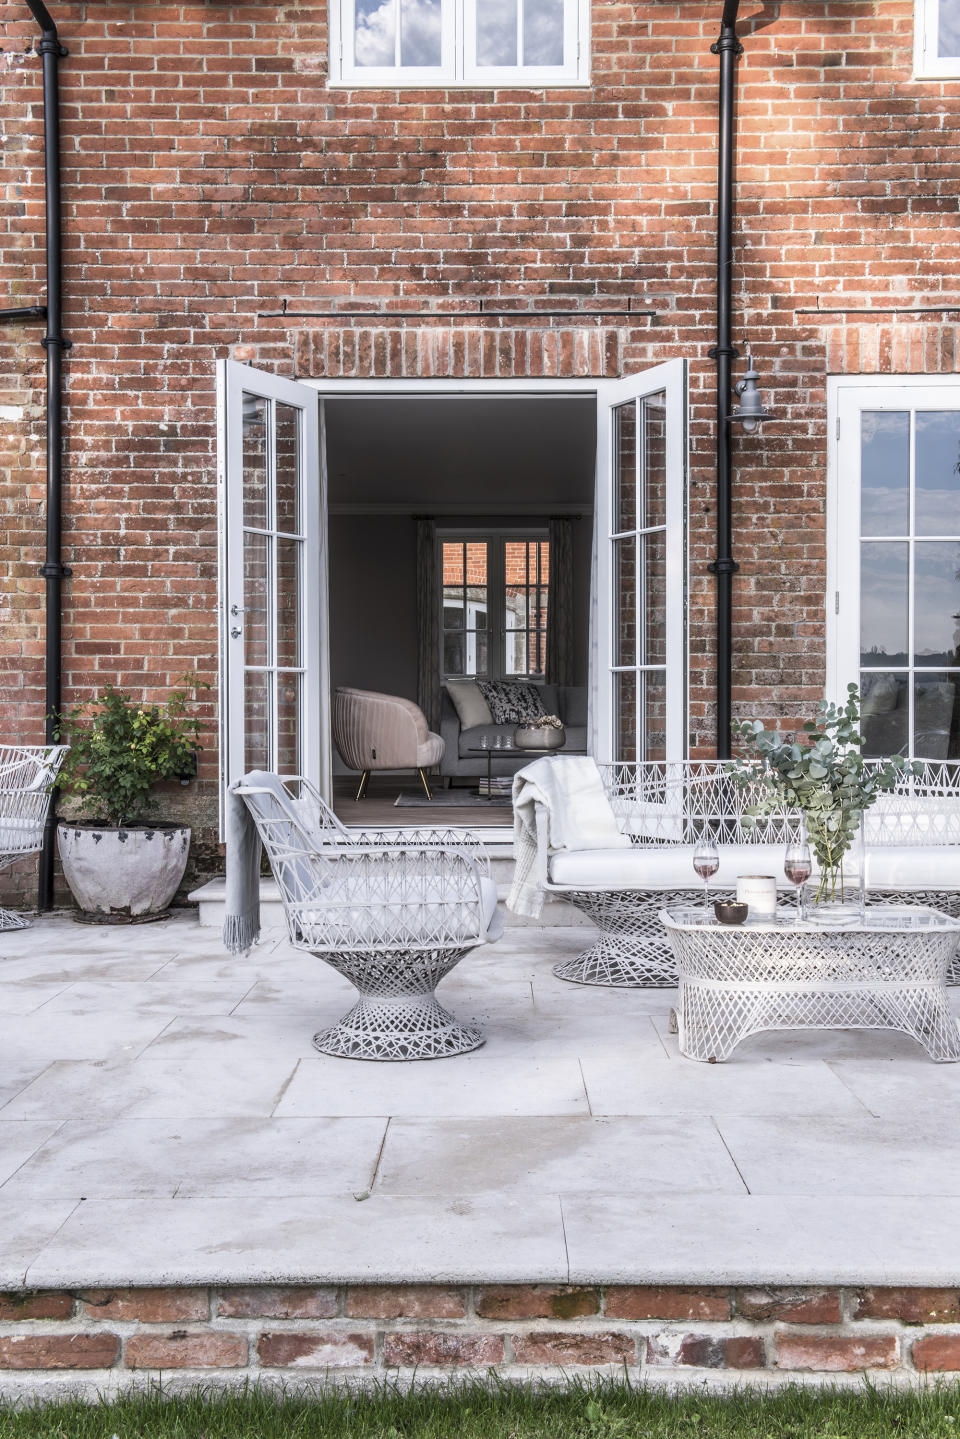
(668, 868)
(913, 867)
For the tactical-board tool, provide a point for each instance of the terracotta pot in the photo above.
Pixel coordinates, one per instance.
(128, 873)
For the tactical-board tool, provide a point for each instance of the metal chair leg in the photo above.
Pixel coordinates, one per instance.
(423, 781)
(364, 780)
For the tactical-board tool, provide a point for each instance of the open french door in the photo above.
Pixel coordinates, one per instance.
(640, 562)
(274, 684)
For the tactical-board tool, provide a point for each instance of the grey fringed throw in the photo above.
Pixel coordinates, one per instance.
(241, 925)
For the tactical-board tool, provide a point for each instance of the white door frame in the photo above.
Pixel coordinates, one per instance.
(607, 394)
(847, 395)
(234, 380)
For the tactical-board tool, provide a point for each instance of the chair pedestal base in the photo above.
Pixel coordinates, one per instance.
(397, 1015)
(406, 1027)
(9, 919)
(632, 949)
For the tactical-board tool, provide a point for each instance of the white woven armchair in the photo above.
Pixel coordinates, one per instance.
(27, 775)
(391, 912)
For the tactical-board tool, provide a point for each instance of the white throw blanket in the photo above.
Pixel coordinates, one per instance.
(580, 817)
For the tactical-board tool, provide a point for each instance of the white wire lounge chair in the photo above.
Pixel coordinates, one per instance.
(391, 912)
(27, 775)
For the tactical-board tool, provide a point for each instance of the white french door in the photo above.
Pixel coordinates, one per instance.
(893, 566)
(640, 561)
(273, 577)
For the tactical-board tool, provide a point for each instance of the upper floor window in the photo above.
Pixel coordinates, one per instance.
(459, 42)
(937, 40)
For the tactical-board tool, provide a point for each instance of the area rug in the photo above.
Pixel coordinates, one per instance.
(452, 799)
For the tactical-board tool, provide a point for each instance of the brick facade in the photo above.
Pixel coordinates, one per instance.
(210, 175)
(102, 1340)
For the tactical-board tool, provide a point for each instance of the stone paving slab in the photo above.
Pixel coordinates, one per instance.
(164, 1118)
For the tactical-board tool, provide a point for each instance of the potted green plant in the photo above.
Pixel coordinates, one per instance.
(119, 863)
(825, 777)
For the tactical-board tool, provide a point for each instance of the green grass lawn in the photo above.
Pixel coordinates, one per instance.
(606, 1411)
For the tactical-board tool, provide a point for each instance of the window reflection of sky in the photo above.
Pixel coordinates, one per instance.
(885, 472)
(937, 479)
(543, 32)
(883, 601)
(497, 32)
(936, 602)
(375, 32)
(949, 30)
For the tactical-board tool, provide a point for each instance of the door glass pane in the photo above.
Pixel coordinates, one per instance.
(497, 32)
(256, 722)
(287, 443)
(883, 603)
(936, 603)
(654, 460)
(625, 466)
(454, 654)
(288, 724)
(937, 474)
(884, 473)
(625, 602)
(654, 714)
(256, 590)
(948, 30)
(375, 31)
(884, 712)
(543, 32)
(420, 32)
(936, 715)
(625, 715)
(288, 602)
(255, 496)
(453, 552)
(655, 597)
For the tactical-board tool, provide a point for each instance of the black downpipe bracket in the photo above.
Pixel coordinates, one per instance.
(724, 566)
(54, 344)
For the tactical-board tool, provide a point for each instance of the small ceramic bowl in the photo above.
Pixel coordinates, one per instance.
(729, 912)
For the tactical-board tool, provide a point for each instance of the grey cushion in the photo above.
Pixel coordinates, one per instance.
(470, 705)
(511, 701)
(573, 705)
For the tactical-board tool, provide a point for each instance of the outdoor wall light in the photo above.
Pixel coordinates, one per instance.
(750, 411)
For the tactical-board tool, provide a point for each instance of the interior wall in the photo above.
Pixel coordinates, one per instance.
(373, 615)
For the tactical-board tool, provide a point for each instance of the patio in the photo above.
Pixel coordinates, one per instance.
(165, 1121)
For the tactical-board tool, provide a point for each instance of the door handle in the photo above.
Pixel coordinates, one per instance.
(236, 631)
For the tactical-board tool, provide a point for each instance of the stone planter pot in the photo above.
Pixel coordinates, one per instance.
(545, 738)
(123, 874)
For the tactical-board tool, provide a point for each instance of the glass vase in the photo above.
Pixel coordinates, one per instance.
(836, 891)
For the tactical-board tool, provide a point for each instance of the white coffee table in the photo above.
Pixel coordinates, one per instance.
(887, 971)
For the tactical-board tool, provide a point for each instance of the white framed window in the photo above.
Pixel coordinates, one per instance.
(894, 560)
(936, 51)
(494, 604)
(443, 43)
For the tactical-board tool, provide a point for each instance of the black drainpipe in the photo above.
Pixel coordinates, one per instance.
(54, 344)
(724, 566)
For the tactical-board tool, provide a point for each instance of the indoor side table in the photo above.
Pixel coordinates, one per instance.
(509, 751)
(886, 971)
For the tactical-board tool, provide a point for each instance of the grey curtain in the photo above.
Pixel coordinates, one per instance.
(560, 604)
(428, 622)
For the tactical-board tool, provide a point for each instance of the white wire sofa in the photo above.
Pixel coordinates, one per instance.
(392, 912)
(912, 855)
(27, 777)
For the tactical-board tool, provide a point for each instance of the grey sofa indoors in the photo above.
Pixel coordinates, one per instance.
(567, 701)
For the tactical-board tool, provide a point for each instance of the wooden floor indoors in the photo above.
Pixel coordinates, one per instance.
(378, 807)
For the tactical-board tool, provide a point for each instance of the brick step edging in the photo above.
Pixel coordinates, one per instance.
(369, 1331)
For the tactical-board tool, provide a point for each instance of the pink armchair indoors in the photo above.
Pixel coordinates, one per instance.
(380, 732)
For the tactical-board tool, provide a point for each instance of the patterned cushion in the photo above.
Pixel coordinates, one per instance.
(511, 701)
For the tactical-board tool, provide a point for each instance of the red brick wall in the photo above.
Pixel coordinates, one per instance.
(294, 1335)
(209, 173)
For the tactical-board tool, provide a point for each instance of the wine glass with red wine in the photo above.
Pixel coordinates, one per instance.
(798, 866)
(706, 862)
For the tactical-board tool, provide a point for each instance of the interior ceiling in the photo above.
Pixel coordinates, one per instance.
(429, 452)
